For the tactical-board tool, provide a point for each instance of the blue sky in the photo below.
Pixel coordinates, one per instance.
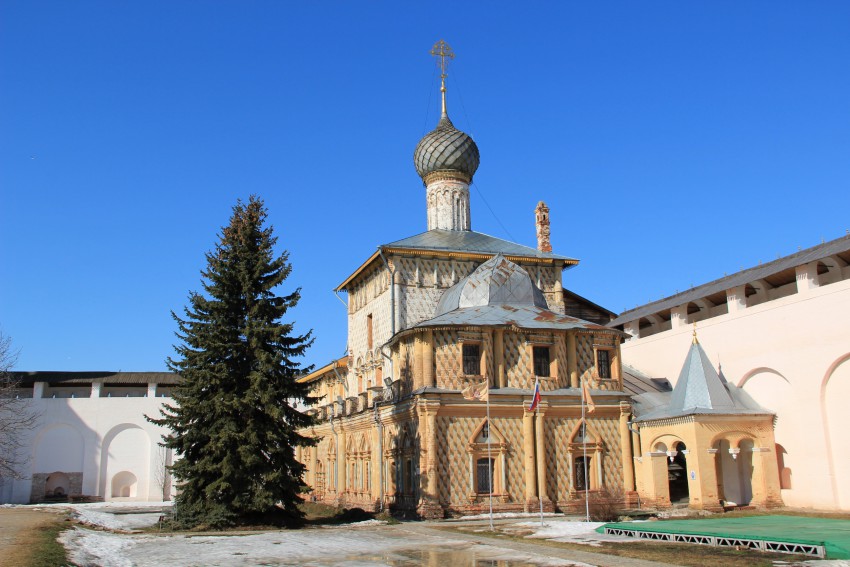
(674, 142)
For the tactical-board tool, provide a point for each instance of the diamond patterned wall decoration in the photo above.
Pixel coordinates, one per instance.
(453, 438)
(518, 362)
(511, 428)
(584, 352)
(454, 434)
(557, 464)
(563, 378)
(448, 360)
(559, 474)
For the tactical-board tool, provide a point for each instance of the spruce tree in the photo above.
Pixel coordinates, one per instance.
(234, 427)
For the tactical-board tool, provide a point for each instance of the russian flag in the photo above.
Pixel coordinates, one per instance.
(535, 399)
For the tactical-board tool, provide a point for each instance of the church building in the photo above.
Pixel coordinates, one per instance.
(450, 311)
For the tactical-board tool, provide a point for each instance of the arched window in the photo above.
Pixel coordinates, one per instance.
(484, 469)
(487, 460)
(585, 450)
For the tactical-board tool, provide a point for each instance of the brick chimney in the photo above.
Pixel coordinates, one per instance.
(541, 216)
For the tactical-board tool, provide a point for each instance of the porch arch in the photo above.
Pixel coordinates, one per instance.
(734, 463)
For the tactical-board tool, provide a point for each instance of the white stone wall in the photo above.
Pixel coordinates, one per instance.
(792, 355)
(371, 297)
(99, 437)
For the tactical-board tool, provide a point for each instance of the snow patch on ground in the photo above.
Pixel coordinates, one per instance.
(124, 515)
(116, 521)
(503, 515)
(362, 524)
(567, 531)
(88, 548)
(338, 547)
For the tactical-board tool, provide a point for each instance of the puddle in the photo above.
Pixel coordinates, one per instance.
(467, 556)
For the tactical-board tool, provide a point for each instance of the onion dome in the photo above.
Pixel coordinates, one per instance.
(446, 149)
(498, 281)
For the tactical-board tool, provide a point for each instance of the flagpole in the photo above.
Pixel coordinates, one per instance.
(584, 450)
(489, 455)
(539, 488)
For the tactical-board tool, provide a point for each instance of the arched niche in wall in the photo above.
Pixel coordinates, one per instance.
(771, 390)
(126, 449)
(124, 485)
(836, 392)
(57, 484)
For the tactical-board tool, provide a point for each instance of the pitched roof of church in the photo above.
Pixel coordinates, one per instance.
(699, 390)
(326, 369)
(460, 243)
(470, 241)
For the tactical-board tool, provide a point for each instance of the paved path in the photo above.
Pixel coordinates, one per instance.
(430, 529)
(17, 529)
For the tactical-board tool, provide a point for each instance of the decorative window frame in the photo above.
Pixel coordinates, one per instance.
(498, 452)
(600, 344)
(401, 457)
(594, 449)
(358, 458)
(543, 341)
(471, 338)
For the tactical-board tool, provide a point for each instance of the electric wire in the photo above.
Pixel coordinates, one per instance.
(430, 96)
(471, 129)
(489, 208)
(456, 84)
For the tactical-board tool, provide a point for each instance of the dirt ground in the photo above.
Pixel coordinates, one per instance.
(18, 531)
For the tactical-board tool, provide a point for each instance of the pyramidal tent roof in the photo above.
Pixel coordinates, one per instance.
(699, 386)
(699, 390)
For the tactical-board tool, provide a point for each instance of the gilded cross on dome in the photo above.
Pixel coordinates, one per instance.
(442, 50)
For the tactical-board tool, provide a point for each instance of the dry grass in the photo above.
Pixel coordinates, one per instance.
(29, 538)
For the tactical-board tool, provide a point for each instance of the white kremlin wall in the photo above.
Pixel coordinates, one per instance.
(95, 446)
(792, 354)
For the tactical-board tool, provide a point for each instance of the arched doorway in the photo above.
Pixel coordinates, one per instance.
(677, 474)
(735, 472)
